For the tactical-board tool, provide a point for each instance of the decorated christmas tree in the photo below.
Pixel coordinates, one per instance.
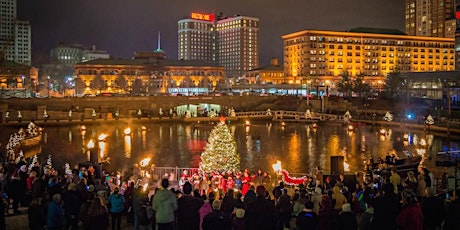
(220, 154)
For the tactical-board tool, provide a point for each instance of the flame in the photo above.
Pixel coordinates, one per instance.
(102, 137)
(346, 167)
(248, 123)
(127, 131)
(144, 162)
(90, 144)
(350, 127)
(277, 167)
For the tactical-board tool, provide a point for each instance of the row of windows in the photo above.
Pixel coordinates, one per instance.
(369, 41)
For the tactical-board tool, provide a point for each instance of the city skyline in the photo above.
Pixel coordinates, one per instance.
(123, 27)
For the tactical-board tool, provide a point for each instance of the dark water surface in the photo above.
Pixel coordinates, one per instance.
(299, 147)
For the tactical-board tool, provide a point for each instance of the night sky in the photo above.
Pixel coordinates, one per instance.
(122, 27)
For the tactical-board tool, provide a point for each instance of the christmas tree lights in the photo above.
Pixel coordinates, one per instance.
(220, 153)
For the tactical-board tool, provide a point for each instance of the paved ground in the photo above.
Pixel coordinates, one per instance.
(20, 222)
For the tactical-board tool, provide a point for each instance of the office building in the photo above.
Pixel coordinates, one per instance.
(232, 42)
(372, 53)
(429, 18)
(197, 38)
(15, 35)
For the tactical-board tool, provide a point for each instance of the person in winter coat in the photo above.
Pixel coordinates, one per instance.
(36, 215)
(117, 205)
(188, 215)
(366, 218)
(237, 219)
(410, 217)
(164, 204)
(452, 220)
(55, 215)
(217, 219)
(327, 216)
(229, 202)
(72, 205)
(205, 209)
(284, 208)
(433, 211)
(307, 219)
(347, 219)
(98, 215)
(386, 207)
(339, 198)
(260, 214)
(16, 191)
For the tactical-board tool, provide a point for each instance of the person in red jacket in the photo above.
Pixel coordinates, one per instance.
(410, 217)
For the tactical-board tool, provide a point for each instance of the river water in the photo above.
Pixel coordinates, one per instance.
(299, 147)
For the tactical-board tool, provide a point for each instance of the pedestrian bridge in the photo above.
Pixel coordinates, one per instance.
(282, 115)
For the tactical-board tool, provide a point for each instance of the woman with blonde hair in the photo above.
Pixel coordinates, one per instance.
(98, 215)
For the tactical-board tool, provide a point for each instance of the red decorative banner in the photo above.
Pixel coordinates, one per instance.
(292, 180)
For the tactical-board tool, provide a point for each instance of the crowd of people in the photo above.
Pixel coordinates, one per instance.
(83, 199)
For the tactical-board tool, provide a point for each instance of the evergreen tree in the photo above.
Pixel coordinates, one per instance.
(220, 154)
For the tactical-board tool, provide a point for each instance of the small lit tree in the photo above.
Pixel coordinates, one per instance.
(220, 153)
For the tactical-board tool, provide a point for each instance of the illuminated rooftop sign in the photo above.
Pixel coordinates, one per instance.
(204, 17)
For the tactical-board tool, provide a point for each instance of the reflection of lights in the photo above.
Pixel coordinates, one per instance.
(102, 149)
(423, 142)
(102, 137)
(314, 125)
(90, 144)
(283, 123)
(350, 128)
(421, 151)
(406, 143)
(143, 128)
(346, 167)
(277, 167)
(144, 162)
(406, 136)
(429, 139)
(83, 127)
(247, 129)
(248, 123)
(127, 131)
(383, 132)
(127, 146)
(144, 188)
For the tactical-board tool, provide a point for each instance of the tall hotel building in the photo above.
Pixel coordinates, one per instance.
(323, 56)
(432, 18)
(231, 42)
(15, 36)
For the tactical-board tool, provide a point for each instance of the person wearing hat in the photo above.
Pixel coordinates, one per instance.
(347, 219)
(217, 219)
(260, 214)
(238, 219)
(327, 215)
(116, 203)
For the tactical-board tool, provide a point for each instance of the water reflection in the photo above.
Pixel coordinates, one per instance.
(300, 147)
(127, 146)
